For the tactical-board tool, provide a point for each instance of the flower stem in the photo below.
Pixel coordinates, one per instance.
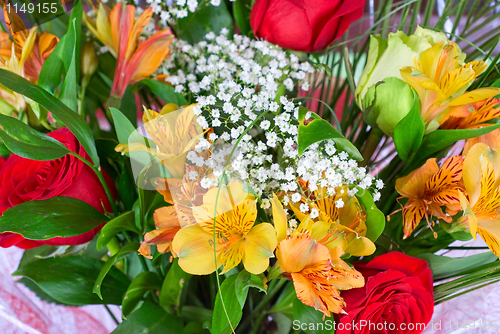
(111, 314)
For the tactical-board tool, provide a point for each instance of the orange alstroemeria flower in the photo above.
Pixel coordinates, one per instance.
(237, 238)
(30, 49)
(428, 188)
(441, 79)
(481, 171)
(136, 60)
(182, 195)
(316, 278)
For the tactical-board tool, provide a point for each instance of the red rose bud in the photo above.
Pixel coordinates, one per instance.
(23, 180)
(304, 25)
(397, 297)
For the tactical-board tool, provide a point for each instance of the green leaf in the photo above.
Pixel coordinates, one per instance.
(164, 91)
(69, 90)
(445, 267)
(410, 130)
(284, 304)
(244, 281)
(72, 120)
(50, 218)
(439, 139)
(128, 248)
(39, 292)
(319, 130)
(195, 26)
(70, 280)
(28, 143)
(231, 309)
(375, 219)
(143, 283)
(173, 284)
(198, 314)
(306, 315)
(124, 222)
(123, 126)
(150, 319)
(241, 12)
(59, 59)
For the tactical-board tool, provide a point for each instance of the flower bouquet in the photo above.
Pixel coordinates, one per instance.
(268, 166)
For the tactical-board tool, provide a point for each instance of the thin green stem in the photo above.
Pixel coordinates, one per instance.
(111, 314)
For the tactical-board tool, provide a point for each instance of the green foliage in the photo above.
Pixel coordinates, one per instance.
(143, 283)
(150, 319)
(410, 130)
(173, 285)
(241, 12)
(227, 308)
(195, 26)
(319, 130)
(124, 222)
(127, 249)
(164, 92)
(60, 111)
(70, 279)
(28, 143)
(445, 267)
(50, 218)
(375, 219)
(308, 315)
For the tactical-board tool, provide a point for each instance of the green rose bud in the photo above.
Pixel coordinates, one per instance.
(381, 93)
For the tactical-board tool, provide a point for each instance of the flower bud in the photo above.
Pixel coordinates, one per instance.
(89, 60)
(381, 93)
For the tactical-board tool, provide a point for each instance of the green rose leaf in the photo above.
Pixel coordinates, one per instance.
(75, 123)
(150, 319)
(70, 279)
(28, 143)
(50, 218)
(143, 283)
(375, 219)
(124, 222)
(127, 249)
(319, 130)
(410, 130)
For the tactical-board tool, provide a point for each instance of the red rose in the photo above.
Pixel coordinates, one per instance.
(23, 180)
(304, 25)
(398, 292)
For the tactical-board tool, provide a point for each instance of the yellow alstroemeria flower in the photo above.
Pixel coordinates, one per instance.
(236, 237)
(317, 277)
(136, 60)
(441, 80)
(174, 134)
(481, 207)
